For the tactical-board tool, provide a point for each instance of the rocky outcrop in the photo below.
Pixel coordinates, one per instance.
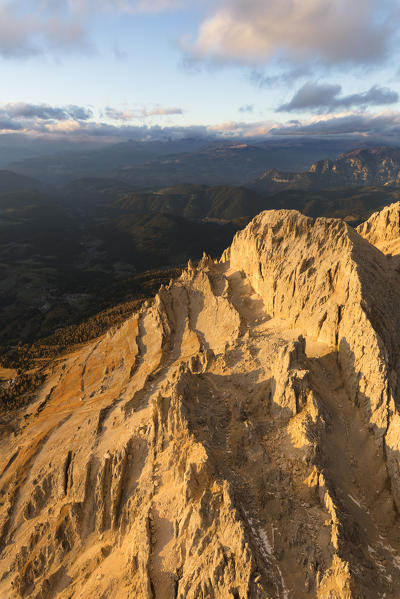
(237, 437)
(378, 166)
(382, 229)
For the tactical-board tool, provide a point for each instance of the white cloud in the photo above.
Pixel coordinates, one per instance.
(160, 111)
(240, 129)
(323, 31)
(227, 127)
(140, 113)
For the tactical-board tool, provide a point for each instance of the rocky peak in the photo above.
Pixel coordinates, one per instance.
(371, 154)
(382, 229)
(373, 166)
(237, 437)
(322, 166)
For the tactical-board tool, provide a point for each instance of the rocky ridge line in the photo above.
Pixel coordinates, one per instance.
(235, 438)
(378, 166)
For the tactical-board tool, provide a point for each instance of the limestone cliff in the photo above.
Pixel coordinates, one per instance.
(238, 437)
(378, 166)
(382, 229)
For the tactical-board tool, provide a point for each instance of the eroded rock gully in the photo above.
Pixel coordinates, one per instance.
(238, 437)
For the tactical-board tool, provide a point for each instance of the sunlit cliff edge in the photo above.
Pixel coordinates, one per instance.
(238, 437)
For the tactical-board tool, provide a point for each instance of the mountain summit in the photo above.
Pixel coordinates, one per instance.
(237, 437)
(378, 166)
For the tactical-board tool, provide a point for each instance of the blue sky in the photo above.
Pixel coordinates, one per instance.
(115, 68)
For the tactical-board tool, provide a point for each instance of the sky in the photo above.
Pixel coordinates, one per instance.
(150, 69)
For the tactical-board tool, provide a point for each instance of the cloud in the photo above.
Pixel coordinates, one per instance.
(75, 123)
(297, 31)
(384, 126)
(140, 113)
(142, 6)
(116, 6)
(34, 118)
(227, 130)
(118, 115)
(326, 97)
(286, 76)
(46, 112)
(81, 122)
(160, 111)
(7, 124)
(312, 96)
(367, 124)
(106, 131)
(255, 32)
(35, 27)
(246, 108)
(24, 34)
(227, 127)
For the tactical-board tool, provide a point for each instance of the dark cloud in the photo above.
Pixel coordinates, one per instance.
(364, 124)
(42, 118)
(7, 124)
(312, 96)
(140, 132)
(325, 97)
(79, 113)
(44, 112)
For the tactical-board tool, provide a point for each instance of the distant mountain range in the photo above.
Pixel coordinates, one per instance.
(66, 254)
(68, 251)
(378, 166)
(196, 202)
(11, 182)
(162, 164)
(267, 166)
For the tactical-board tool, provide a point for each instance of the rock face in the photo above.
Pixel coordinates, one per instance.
(375, 167)
(382, 229)
(238, 437)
